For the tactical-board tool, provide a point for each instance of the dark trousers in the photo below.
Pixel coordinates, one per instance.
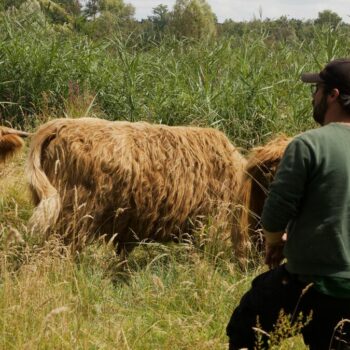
(277, 289)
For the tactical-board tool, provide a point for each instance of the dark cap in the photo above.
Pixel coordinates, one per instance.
(336, 74)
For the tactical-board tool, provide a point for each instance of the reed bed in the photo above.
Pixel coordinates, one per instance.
(247, 86)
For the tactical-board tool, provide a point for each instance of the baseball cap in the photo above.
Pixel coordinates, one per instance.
(335, 74)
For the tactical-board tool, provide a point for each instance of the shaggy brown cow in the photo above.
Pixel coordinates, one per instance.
(10, 142)
(260, 170)
(129, 181)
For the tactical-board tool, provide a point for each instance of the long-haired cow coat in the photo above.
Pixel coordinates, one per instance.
(260, 169)
(129, 181)
(10, 142)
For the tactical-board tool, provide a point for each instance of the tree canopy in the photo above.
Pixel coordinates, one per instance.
(328, 17)
(193, 18)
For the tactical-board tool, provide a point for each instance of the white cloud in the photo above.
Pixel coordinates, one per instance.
(240, 10)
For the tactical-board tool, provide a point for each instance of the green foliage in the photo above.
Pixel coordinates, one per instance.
(91, 8)
(246, 84)
(160, 18)
(105, 18)
(329, 18)
(5, 4)
(158, 23)
(192, 19)
(72, 7)
(55, 12)
(58, 11)
(117, 7)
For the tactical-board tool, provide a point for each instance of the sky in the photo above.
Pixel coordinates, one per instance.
(245, 10)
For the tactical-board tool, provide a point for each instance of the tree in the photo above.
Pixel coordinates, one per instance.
(72, 7)
(282, 29)
(328, 17)
(160, 18)
(106, 17)
(91, 9)
(232, 28)
(117, 8)
(55, 11)
(193, 18)
(95, 8)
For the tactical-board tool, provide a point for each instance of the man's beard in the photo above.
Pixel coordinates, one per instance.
(320, 110)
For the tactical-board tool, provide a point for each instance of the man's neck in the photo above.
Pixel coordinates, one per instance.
(336, 115)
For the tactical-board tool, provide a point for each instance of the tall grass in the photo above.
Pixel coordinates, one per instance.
(175, 296)
(174, 302)
(247, 86)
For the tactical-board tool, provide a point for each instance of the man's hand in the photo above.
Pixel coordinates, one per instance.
(274, 254)
(274, 242)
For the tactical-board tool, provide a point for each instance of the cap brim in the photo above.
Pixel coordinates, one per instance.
(311, 78)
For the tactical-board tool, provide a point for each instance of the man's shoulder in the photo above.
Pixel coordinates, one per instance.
(321, 133)
(312, 139)
(323, 139)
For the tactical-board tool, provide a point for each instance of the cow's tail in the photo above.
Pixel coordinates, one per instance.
(45, 195)
(11, 141)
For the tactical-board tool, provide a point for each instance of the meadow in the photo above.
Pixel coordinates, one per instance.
(175, 296)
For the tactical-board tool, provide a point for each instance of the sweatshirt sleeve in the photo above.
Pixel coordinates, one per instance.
(286, 191)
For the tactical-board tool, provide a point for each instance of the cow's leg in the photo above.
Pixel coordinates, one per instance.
(123, 250)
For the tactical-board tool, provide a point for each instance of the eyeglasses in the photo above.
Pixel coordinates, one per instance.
(314, 88)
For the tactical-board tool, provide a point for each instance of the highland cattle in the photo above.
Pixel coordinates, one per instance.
(259, 171)
(11, 141)
(130, 182)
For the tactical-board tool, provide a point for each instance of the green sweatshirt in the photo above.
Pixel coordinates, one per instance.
(310, 199)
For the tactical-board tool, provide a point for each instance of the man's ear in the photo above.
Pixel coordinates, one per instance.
(334, 94)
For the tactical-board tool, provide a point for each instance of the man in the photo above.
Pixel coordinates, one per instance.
(310, 200)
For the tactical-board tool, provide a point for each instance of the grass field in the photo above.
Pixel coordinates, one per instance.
(176, 296)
